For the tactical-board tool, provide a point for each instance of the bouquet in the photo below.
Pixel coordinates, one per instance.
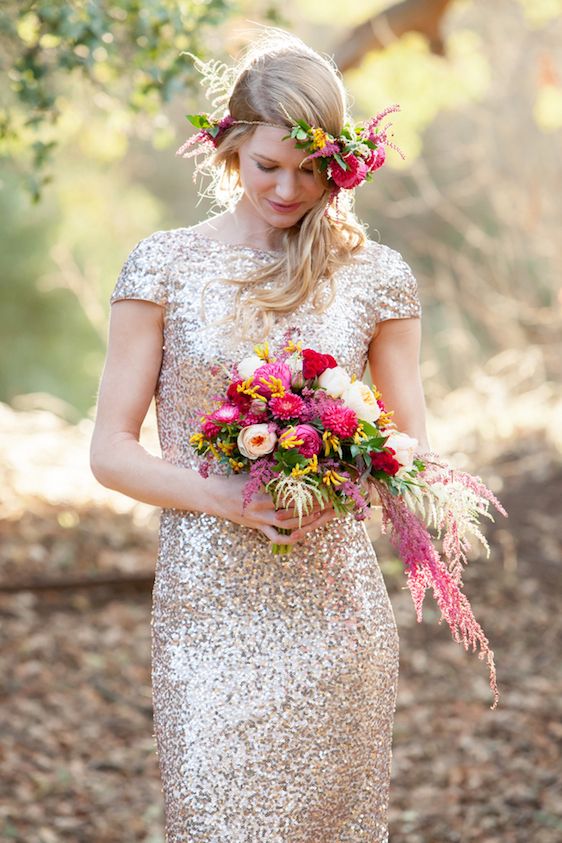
(304, 430)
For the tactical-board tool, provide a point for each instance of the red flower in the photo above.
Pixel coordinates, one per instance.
(352, 177)
(239, 398)
(338, 418)
(384, 461)
(376, 159)
(314, 363)
(289, 406)
(209, 429)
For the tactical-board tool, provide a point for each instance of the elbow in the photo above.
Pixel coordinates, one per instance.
(100, 469)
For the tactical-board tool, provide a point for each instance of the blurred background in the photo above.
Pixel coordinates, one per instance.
(92, 108)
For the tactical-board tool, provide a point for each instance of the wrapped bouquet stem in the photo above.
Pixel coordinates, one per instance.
(307, 432)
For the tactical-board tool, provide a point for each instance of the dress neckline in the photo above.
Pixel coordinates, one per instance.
(234, 245)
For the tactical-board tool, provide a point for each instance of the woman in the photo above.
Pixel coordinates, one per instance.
(273, 713)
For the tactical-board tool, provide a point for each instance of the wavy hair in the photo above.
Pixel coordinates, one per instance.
(277, 76)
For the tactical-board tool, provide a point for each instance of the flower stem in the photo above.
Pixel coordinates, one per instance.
(282, 549)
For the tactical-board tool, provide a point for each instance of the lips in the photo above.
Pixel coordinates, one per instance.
(284, 209)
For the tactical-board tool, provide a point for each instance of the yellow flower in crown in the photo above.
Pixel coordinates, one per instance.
(319, 138)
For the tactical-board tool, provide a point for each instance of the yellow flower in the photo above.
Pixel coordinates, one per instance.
(384, 418)
(275, 385)
(312, 466)
(262, 351)
(319, 138)
(330, 441)
(236, 465)
(359, 434)
(247, 388)
(197, 439)
(292, 346)
(288, 439)
(333, 478)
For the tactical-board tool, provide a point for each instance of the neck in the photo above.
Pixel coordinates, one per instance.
(244, 225)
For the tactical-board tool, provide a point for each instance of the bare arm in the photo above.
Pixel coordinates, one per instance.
(118, 460)
(394, 354)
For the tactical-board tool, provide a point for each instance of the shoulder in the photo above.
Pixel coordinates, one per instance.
(160, 244)
(381, 257)
(389, 280)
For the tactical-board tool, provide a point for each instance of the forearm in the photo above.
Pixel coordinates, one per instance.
(128, 468)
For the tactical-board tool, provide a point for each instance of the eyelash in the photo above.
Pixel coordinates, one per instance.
(269, 169)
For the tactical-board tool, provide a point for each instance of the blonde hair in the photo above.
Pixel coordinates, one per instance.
(280, 75)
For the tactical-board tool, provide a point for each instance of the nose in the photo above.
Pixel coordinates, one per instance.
(286, 188)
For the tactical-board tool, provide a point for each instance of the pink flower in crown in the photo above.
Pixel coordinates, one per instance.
(268, 370)
(376, 159)
(289, 406)
(352, 177)
(339, 419)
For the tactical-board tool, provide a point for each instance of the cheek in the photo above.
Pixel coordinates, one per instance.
(253, 180)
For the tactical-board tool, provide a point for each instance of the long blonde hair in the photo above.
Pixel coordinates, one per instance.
(280, 75)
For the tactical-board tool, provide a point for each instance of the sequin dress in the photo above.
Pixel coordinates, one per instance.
(274, 678)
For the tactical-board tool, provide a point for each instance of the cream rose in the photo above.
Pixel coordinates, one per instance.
(361, 398)
(335, 381)
(248, 366)
(404, 446)
(256, 440)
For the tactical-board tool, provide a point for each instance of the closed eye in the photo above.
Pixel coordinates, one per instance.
(269, 169)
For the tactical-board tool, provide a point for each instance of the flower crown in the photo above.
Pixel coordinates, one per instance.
(347, 160)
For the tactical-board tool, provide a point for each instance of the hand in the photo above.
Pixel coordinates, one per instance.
(260, 513)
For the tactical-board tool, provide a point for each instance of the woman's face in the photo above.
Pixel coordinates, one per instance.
(278, 191)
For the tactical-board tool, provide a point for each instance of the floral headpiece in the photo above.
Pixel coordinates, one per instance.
(348, 159)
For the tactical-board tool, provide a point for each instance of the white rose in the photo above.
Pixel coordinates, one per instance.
(335, 381)
(361, 398)
(248, 366)
(404, 446)
(256, 440)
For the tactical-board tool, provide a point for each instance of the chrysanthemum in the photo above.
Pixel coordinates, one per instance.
(228, 413)
(338, 418)
(289, 406)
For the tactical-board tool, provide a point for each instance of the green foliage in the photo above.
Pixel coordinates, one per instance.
(131, 49)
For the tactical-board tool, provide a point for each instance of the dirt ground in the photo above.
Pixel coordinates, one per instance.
(78, 761)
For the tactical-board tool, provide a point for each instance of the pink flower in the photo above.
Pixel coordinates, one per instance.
(311, 439)
(338, 418)
(268, 370)
(352, 177)
(376, 159)
(289, 406)
(209, 429)
(252, 418)
(226, 413)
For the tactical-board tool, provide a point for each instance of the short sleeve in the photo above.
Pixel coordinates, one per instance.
(397, 296)
(145, 272)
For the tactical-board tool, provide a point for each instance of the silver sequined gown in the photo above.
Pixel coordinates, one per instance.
(274, 677)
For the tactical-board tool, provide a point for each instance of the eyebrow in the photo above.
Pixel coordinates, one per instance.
(265, 158)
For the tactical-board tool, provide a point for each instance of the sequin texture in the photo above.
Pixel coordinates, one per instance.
(274, 678)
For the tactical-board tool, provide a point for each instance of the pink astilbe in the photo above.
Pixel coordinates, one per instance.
(455, 543)
(260, 474)
(425, 568)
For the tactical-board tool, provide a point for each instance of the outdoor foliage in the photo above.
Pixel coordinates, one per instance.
(132, 51)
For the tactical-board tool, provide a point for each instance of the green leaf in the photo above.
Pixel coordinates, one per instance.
(341, 162)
